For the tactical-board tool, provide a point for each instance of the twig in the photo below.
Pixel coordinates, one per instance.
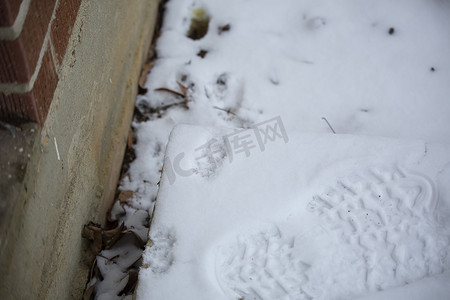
(329, 125)
(228, 111)
(183, 93)
(170, 91)
(92, 269)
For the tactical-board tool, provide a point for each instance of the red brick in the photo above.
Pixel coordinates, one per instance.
(34, 105)
(45, 86)
(18, 58)
(14, 65)
(8, 12)
(16, 108)
(62, 26)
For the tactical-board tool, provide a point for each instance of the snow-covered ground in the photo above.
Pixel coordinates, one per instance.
(364, 69)
(319, 217)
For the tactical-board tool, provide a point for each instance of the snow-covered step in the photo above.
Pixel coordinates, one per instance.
(263, 213)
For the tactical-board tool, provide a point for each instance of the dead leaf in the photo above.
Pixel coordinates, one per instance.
(88, 292)
(138, 241)
(131, 284)
(124, 196)
(93, 232)
(145, 71)
(110, 237)
(144, 74)
(183, 89)
(137, 264)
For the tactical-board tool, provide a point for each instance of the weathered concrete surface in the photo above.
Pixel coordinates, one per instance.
(16, 144)
(71, 175)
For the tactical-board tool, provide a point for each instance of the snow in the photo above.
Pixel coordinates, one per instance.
(319, 217)
(306, 59)
(377, 72)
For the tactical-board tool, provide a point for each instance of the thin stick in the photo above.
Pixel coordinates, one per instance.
(228, 111)
(92, 269)
(57, 151)
(329, 125)
(170, 91)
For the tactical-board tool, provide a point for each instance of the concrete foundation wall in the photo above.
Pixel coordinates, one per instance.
(72, 173)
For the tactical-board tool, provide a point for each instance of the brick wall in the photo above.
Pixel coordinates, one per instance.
(33, 39)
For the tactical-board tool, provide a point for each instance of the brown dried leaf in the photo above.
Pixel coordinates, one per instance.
(111, 233)
(183, 89)
(93, 267)
(96, 244)
(90, 227)
(87, 295)
(88, 292)
(112, 236)
(137, 264)
(145, 71)
(138, 241)
(124, 196)
(87, 233)
(131, 284)
(93, 232)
